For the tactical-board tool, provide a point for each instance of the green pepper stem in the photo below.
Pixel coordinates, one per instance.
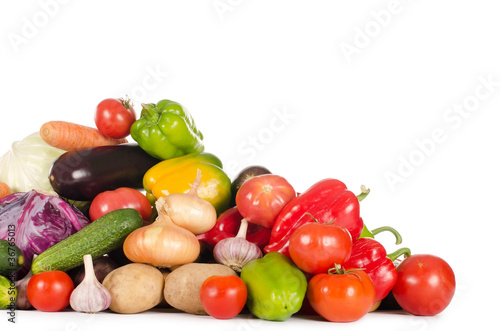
(363, 194)
(151, 114)
(402, 251)
(396, 234)
(366, 233)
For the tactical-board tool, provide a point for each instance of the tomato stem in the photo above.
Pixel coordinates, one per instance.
(336, 270)
(126, 102)
(316, 220)
(339, 270)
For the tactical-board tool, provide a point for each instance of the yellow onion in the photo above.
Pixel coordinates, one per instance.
(162, 243)
(189, 211)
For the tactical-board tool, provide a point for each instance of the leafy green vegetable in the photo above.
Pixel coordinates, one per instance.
(26, 166)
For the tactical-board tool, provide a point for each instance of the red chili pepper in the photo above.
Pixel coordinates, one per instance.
(227, 226)
(328, 200)
(370, 255)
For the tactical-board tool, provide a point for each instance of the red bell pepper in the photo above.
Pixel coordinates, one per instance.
(370, 255)
(327, 201)
(227, 226)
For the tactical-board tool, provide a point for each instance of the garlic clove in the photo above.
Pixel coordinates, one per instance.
(90, 296)
(236, 252)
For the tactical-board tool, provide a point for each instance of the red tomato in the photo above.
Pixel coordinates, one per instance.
(425, 285)
(114, 117)
(261, 198)
(123, 197)
(223, 297)
(316, 247)
(341, 297)
(50, 290)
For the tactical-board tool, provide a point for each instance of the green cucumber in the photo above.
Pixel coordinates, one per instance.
(100, 237)
(11, 258)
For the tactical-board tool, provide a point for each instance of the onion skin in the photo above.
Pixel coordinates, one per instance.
(189, 211)
(162, 243)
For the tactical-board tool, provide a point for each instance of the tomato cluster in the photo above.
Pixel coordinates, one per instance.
(348, 276)
(424, 285)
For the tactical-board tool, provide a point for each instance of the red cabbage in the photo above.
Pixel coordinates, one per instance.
(39, 221)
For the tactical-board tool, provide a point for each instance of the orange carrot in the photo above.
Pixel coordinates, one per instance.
(4, 190)
(73, 137)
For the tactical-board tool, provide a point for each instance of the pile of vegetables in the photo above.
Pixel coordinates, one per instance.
(92, 222)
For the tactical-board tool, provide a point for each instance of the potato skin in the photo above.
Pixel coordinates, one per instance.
(134, 288)
(182, 285)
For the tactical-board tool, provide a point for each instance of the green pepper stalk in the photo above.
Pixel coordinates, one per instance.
(366, 233)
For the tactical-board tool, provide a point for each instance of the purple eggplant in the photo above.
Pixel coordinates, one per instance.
(81, 175)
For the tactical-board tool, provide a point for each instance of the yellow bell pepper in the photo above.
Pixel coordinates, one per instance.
(176, 176)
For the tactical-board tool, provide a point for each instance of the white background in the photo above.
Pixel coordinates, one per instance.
(310, 89)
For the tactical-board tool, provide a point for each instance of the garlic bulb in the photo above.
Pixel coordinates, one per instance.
(90, 296)
(22, 302)
(236, 252)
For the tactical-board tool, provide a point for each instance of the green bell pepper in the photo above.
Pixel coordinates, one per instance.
(167, 130)
(276, 287)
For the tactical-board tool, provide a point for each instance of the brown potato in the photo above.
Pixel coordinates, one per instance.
(182, 285)
(134, 288)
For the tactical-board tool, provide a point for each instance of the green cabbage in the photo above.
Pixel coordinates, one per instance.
(27, 165)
